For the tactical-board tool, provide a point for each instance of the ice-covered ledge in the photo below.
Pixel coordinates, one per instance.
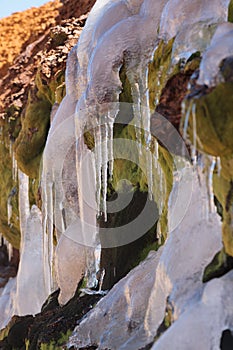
(130, 315)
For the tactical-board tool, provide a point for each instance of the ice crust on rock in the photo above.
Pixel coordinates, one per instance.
(202, 324)
(221, 47)
(177, 15)
(92, 76)
(192, 24)
(116, 32)
(122, 309)
(30, 287)
(119, 321)
(7, 297)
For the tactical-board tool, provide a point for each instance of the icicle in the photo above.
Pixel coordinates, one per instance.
(137, 111)
(200, 170)
(50, 231)
(145, 115)
(14, 167)
(9, 248)
(149, 168)
(194, 143)
(10, 149)
(63, 221)
(110, 142)
(159, 233)
(45, 235)
(210, 185)
(156, 152)
(105, 168)
(98, 165)
(102, 274)
(219, 166)
(10, 251)
(9, 210)
(158, 84)
(23, 200)
(186, 121)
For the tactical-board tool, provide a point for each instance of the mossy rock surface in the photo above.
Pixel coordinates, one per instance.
(30, 143)
(159, 71)
(220, 265)
(214, 120)
(8, 194)
(230, 11)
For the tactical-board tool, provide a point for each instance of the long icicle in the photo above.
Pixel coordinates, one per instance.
(98, 165)
(105, 168)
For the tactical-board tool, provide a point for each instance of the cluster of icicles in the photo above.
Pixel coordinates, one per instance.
(117, 33)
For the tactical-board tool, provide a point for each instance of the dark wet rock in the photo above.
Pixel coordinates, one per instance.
(226, 340)
(117, 262)
(219, 266)
(52, 326)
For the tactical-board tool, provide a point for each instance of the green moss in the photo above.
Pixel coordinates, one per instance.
(125, 95)
(60, 92)
(144, 253)
(59, 344)
(167, 321)
(8, 191)
(31, 140)
(230, 11)
(193, 62)
(223, 189)
(214, 120)
(214, 128)
(124, 168)
(54, 87)
(159, 70)
(221, 264)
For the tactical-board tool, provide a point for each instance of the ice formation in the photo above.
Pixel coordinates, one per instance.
(116, 33)
(221, 47)
(129, 319)
(93, 88)
(7, 297)
(192, 24)
(129, 36)
(30, 286)
(178, 15)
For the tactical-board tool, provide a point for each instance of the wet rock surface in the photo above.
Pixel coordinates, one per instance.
(52, 326)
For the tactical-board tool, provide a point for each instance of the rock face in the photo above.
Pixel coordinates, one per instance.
(100, 100)
(23, 28)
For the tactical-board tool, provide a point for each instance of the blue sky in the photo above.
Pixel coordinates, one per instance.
(7, 7)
